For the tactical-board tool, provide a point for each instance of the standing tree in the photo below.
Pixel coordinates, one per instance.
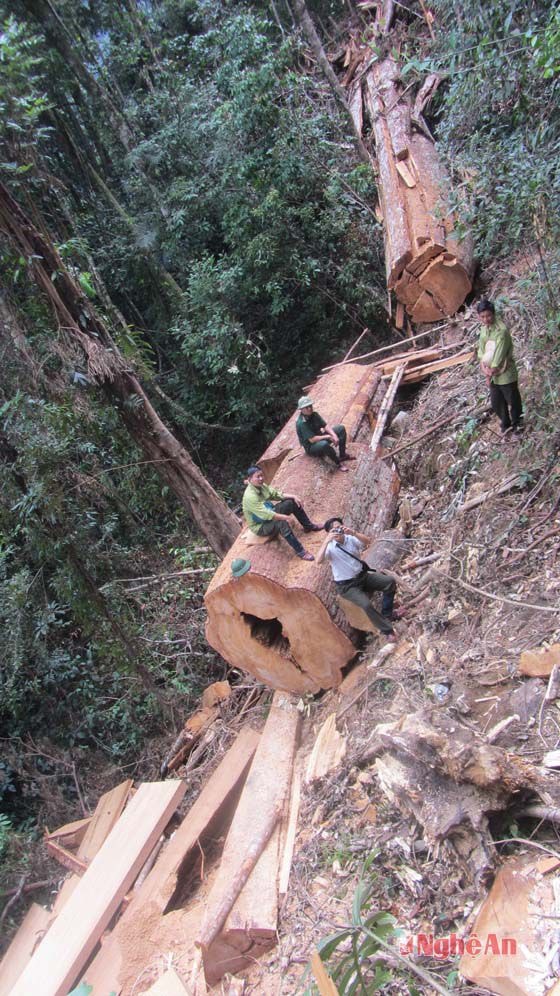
(81, 326)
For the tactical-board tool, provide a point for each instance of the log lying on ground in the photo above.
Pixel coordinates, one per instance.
(131, 947)
(426, 265)
(438, 771)
(240, 920)
(281, 621)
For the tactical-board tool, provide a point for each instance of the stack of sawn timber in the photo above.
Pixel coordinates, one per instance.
(420, 363)
(427, 266)
(166, 914)
(282, 621)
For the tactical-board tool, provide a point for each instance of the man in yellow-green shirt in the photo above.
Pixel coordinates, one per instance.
(268, 512)
(495, 353)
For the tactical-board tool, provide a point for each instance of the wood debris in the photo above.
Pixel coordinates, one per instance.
(328, 751)
(539, 663)
(516, 928)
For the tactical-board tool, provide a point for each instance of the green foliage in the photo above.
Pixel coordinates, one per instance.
(497, 115)
(5, 831)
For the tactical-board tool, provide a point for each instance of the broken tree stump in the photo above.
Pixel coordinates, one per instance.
(281, 621)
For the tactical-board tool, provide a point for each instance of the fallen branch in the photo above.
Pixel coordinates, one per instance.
(154, 578)
(31, 887)
(514, 480)
(355, 344)
(383, 653)
(495, 598)
(537, 542)
(11, 902)
(471, 413)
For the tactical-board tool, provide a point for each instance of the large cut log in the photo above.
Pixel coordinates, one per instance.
(132, 944)
(240, 919)
(281, 621)
(59, 959)
(426, 264)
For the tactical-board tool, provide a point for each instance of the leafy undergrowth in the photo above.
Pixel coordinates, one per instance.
(363, 876)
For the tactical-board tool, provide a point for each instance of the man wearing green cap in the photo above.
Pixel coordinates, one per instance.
(319, 439)
(268, 512)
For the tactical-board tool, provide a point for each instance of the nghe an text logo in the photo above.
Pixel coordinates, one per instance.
(447, 947)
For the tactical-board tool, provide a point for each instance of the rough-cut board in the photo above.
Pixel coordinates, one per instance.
(289, 837)
(71, 834)
(168, 984)
(206, 817)
(281, 621)
(29, 935)
(324, 982)
(107, 812)
(415, 375)
(56, 964)
(257, 816)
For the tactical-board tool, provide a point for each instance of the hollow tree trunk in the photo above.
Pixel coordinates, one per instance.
(428, 268)
(282, 621)
(81, 326)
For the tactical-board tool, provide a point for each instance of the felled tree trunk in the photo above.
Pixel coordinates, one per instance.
(428, 268)
(282, 621)
(84, 329)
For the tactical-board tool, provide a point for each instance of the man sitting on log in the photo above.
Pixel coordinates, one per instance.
(354, 579)
(267, 519)
(317, 438)
(495, 352)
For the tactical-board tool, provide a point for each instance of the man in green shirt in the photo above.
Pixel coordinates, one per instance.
(267, 519)
(318, 438)
(495, 353)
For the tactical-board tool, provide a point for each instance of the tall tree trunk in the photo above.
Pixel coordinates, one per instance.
(81, 326)
(316, 45)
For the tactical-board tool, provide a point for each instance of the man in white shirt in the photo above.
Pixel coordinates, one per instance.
(354, 580)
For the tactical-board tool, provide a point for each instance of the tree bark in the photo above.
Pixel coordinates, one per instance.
(282, 621)
(81, 326)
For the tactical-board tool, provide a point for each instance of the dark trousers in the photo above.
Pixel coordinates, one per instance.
(506, 404)
(275, 526)
(326, 449)
(359, 589)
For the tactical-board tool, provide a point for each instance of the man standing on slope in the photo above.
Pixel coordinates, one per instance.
(353, 578)
(267, 519)
(495, 352)
(317, 438)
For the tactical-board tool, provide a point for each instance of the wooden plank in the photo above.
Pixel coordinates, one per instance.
(418, 373)
(324, 982)
(107, 812)
(207, 816)
(259, 811)
(387, 405)
(56, 964)
(66, 858)
(24, 942)
(290, 838)
(71, 834)
(168, 984)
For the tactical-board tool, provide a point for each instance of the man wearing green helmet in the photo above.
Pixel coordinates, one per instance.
(319, 439)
